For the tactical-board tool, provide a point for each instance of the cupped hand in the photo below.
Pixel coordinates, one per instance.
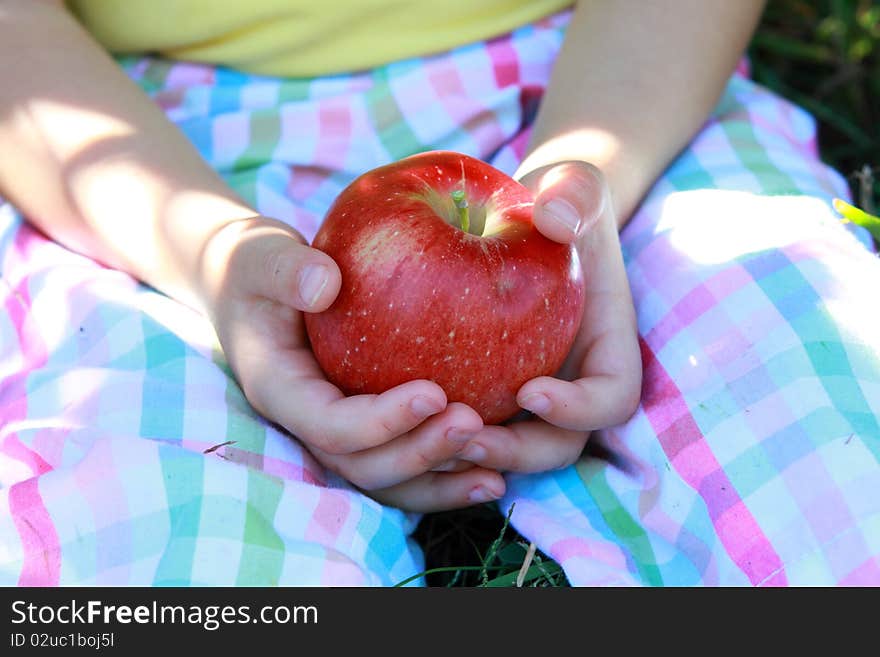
(600, 383)
(259, 279)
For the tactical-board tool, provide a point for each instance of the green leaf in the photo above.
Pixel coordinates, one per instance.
(858, 217)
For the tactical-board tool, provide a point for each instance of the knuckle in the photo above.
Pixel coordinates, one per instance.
(362, 480)
(344, 468)
(385, 428)
(573, 453)
(327, 441)
(348, 469)
(630, 402)
(591, 171)
(275, 265)
(508, 458)
(588, 175)
(254, 393)
(423, 461)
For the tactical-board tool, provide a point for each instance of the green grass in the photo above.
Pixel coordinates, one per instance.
(825, 56)
(476, 547)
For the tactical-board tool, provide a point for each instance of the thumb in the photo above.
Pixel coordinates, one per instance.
(570, 197)
(272, 261)
(299, 275)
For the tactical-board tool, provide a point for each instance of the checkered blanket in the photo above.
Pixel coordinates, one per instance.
(129, 456)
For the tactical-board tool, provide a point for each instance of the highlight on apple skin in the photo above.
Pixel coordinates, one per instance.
(444, 277)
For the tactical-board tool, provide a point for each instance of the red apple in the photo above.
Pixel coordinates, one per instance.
(444, 277)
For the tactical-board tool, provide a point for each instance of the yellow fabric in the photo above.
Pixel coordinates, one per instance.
(297, 38)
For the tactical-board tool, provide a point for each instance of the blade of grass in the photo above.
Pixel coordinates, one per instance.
(493, 549)
(444, 569)
(530, 554)
(858, 217)
(531, 574)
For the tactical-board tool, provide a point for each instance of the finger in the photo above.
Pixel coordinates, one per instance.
(453, 465)
(529, 446)
(283, 381)
(317, 412)
(584, 404)
(276, 264)
(442, 491)
(432, 443)
(569, 198)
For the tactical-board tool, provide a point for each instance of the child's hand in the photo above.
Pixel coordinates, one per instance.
(600, 383)
(259, 276)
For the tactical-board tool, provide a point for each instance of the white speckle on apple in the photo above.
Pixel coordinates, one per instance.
(420, 339)
(504, 335)
(397, 329)
(363, 338)
(488, 351)
(390, 305)
(467, 290)
(546, 303)
(446, 359)
(451, 335)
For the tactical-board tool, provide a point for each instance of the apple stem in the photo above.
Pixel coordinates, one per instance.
(461, 203)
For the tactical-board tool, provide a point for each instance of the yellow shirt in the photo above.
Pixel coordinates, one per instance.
(297, 38)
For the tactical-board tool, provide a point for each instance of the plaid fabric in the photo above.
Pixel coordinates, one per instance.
(128, 455)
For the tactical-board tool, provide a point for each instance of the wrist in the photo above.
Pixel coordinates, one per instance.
(181, 257)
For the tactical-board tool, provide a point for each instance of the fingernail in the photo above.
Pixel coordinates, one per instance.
(482, 494)
(563, 212)
(537, 403)
(312, 280)
(461, 436)
(474, 453)
(424, 406)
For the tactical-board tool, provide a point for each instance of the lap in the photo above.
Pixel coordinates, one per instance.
(129, 455)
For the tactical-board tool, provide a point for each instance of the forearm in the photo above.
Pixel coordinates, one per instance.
(633, 83)
(94, 163)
